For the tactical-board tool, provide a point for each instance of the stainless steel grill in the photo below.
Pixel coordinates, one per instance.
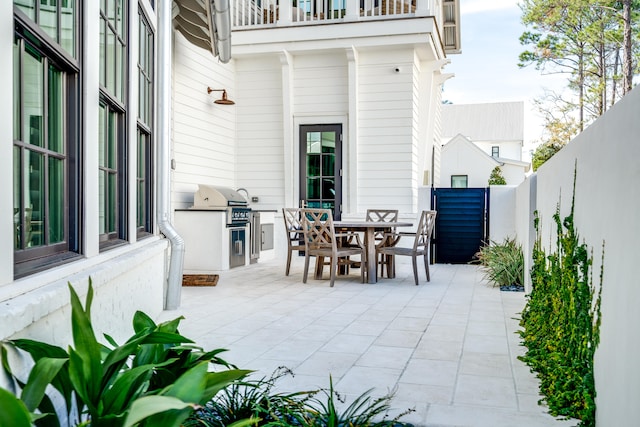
(211, 197)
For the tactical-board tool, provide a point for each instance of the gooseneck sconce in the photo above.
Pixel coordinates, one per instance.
(224, 100)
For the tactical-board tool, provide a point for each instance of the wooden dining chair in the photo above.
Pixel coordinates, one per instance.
(383, 215)
(321, 241)
(295, 235)
(421, 243)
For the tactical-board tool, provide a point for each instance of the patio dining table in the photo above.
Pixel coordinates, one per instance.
(369, 228)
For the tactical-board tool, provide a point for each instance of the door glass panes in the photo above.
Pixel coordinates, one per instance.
(33, 98)
(55, 111)
(56, 200)
(313, 188)
(321, 171)
(313, 142)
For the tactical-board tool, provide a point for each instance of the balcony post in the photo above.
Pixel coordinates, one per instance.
(353, 10)
(284, 15)
(423, 7)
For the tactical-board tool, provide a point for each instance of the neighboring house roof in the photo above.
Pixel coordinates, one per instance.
(500, 121)
(474, 149)
(525, 165)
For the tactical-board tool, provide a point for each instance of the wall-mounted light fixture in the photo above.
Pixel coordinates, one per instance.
(224, 100)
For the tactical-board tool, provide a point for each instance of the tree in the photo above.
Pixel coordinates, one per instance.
(584, 39)
(496, 177)
(557, 133)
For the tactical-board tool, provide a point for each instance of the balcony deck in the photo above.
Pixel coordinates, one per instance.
(448, 347)
(268, 14)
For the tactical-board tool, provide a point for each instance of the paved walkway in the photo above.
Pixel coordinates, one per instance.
(447, 347)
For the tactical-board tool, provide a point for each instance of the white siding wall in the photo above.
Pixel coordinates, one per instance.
(260, 142)
(508, 149)
(203, 132)
(386, 158)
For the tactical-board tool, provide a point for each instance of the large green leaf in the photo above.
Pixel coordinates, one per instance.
(40, 377)
(216, 381)
(13, 413)
(142, 321)
(190, 386)
(87, 348)
(128, 386)
(149, 405)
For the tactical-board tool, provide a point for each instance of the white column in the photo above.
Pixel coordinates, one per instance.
(284, 15)
(424, 7)
(353, 10)
(352, 141)
(290, 193)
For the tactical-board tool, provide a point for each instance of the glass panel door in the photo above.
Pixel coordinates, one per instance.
(321, 166)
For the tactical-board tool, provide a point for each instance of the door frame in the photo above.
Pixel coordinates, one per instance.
(338, 165)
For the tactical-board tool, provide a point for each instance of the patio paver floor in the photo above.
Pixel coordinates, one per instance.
(448, 347)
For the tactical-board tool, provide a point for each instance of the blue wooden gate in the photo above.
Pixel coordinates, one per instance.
(462, 223)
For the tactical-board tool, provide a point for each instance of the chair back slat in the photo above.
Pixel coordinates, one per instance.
(382, 215)
(318, 228)
(424, 230)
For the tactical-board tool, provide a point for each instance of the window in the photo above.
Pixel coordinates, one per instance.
(46, 145)
(144, 172)
(495, 151)
(112, 118)
(459, 181)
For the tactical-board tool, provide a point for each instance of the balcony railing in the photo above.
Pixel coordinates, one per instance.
(272, 13)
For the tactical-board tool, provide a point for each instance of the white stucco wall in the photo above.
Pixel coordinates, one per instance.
(607, 202)
(502, 205)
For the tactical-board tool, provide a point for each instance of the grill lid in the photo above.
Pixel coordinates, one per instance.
(211, 196)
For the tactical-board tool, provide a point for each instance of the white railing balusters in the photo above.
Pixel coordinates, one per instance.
(250, 13)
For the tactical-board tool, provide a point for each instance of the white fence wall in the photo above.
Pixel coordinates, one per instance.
(607, 202)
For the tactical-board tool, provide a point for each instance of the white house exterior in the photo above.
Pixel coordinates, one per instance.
(479, 137)
(113, 129)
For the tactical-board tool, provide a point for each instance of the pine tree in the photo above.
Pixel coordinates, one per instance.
(496, 177)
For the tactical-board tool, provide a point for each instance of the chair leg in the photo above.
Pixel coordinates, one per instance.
(415, 269)
(306, 268)
(334, 268)
(288, 262)
(426, 267)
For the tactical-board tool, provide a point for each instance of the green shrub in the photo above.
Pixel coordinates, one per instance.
(561, 322)
(503, 263)
(256, 400)
(156, 378)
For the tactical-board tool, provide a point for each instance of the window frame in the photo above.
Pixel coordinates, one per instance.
(29, 36)
(495, 151)
(145, 127)
(466, 181)
(115, 99)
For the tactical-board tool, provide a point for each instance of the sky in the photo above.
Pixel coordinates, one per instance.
(487, 69)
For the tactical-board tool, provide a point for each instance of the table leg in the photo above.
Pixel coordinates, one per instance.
(372, 266)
